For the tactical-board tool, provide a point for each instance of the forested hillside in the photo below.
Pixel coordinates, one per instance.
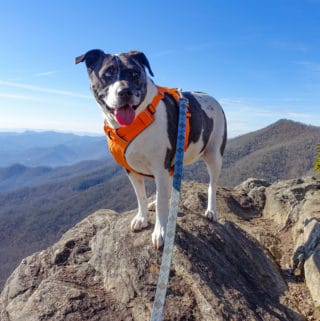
(285, 149)
(282, 150)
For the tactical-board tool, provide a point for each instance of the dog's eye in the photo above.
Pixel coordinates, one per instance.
(135, 75)
(109, 73)
(101, 97)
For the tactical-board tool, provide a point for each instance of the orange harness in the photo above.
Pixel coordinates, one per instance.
(119, 139)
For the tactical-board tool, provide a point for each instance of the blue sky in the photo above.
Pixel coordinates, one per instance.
(260, 59)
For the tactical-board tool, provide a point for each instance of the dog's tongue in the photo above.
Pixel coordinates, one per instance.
(125, 115)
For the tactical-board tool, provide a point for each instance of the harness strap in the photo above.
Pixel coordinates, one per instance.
(119, 139)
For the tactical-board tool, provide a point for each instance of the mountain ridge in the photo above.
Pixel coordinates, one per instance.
(18, 176)
(292, 145)
(49, 148)
(254, 154)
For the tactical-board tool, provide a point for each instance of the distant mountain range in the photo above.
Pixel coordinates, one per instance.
(49, 148)
(18, 176)
(39, 203)
(282, 150)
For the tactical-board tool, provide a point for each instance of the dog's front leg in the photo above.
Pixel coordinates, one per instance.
(162, 208)
(152, 205)
(140, 221)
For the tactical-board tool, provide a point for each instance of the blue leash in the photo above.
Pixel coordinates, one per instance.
(163, 278)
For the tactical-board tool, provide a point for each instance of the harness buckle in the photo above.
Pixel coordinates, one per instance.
(151, 109)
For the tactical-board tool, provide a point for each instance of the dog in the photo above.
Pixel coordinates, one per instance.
(123, 89)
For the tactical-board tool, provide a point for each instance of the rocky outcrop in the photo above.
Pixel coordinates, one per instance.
(295, 205)
(254, 264)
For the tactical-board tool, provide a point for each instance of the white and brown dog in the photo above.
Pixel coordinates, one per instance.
(123, 90)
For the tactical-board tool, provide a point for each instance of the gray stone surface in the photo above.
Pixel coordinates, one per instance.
(230, 270)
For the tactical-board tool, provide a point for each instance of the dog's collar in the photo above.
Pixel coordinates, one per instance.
(119, 138)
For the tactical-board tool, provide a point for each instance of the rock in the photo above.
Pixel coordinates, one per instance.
(100, 270)
(312, 275)
(295, 206)
(251, 184)
(251, 196)
(284, 199)
(306, 234)
(234, 269)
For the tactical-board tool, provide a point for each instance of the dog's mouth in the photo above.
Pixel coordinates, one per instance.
(124, 115)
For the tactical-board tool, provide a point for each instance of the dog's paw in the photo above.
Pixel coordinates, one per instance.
(138, 223)
(152, 206)
(211, 215)
(158, 237)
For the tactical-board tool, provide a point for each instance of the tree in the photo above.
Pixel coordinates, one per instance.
(317, 162)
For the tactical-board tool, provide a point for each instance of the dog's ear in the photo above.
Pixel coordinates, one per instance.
(141, 59)
(91, 58)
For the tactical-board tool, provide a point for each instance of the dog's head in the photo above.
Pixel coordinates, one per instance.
(118, 82)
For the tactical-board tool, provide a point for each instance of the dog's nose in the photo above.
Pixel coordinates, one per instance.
(125, 93)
